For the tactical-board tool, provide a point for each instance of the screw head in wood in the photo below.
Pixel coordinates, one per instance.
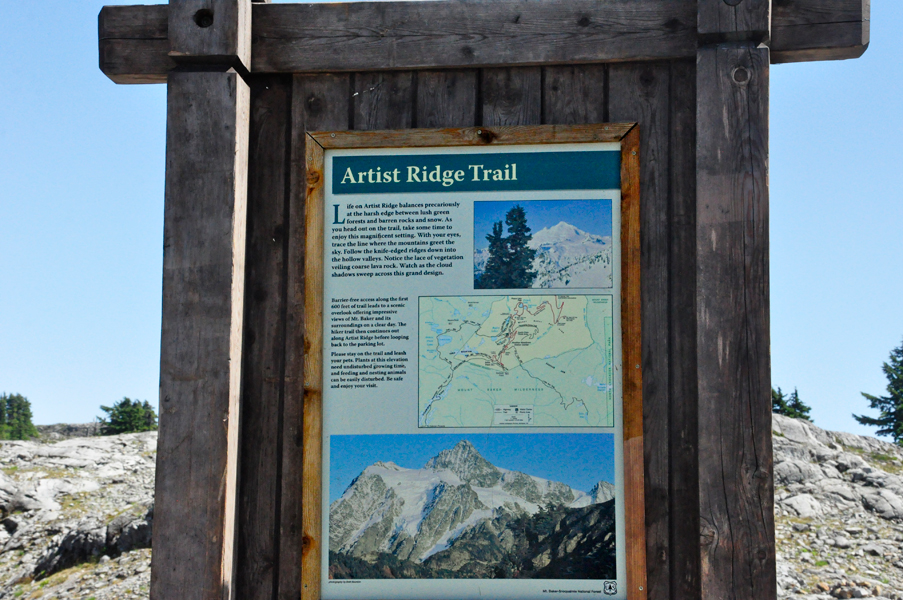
(203, 18)
(331, 135)
(479, 132)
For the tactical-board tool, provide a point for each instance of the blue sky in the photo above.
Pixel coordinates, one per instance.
(579, 460)
(81, 212)
(592, 216)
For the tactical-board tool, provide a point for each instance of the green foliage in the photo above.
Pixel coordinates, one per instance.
(510, 258)
(15, 418)
(789, 405)
(890, 407)
(128, 416)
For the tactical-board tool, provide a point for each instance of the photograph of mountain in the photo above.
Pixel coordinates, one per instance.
(456, 514)
(543, 244)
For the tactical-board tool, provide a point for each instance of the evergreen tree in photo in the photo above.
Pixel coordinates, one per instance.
(789, 405)
(520, 254)
(128, 416)
(15, 418)
(890, 407)
(497, 263)
(510, 261)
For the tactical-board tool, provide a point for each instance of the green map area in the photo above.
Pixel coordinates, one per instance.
(516, 361)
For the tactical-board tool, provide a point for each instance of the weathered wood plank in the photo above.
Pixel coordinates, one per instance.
(382, 100)
(474, 136)
(683, 487)
(574, 94)
(733, 360)
(734, 20)
(133, 44)
(632, 382)
(787, 13)
(312, 438)
(263, 384)
(446, 98)
(318, 102)
(511, 96)
(200, 366)
(829, 41)
(402, 35)
(640, 93)
(211, 31)
(805, 30)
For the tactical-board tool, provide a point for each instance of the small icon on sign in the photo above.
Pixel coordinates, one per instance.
(610, 587)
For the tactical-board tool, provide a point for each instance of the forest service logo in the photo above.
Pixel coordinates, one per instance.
(610, 587)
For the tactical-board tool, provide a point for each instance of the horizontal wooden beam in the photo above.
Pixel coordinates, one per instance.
(807, 30)
(365, 36)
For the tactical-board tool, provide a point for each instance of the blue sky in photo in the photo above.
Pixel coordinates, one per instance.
(591, 216)
(580, 460)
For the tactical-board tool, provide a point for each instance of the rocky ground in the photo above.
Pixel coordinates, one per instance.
(838, 513)
(78, 512)
(77, 516)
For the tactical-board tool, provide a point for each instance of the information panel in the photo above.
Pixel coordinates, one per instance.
(472, 394)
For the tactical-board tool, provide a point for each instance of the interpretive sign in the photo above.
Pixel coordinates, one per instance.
(477, 308)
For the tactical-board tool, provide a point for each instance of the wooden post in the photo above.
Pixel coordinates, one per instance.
(733, 359)
(203, 300)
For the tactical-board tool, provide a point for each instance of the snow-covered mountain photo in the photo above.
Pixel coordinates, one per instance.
(460, 516)
(567, 255)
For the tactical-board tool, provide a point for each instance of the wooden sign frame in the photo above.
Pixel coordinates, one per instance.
(632, 408)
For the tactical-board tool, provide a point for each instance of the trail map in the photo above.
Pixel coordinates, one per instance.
(516, 361)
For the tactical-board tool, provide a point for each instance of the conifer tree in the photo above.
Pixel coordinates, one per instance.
(798, 409)
(890, 407)
(15, 422)
(496, 265)
(128, 416)
(521, 255)
(789, 405)
(510, 261)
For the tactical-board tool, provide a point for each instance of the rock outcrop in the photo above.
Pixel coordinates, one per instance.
(838, 511)
(77, 516)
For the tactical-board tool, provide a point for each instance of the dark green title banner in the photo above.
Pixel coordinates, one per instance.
(503, 172)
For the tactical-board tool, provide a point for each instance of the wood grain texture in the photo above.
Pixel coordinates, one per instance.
(640, 92)
(733, 359)
(134, 47)
(511, 96)
(402, 35)
(318, 102)
(683, 486)
(446, 98)
(382, 100)
(734, 20)
(574, 94)
(474, 136)
(631, 352)
(263, 383)
(313, 543)
(829, 41)
(133, 43)
(225, 39)
(805, 30)
(201, 358)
